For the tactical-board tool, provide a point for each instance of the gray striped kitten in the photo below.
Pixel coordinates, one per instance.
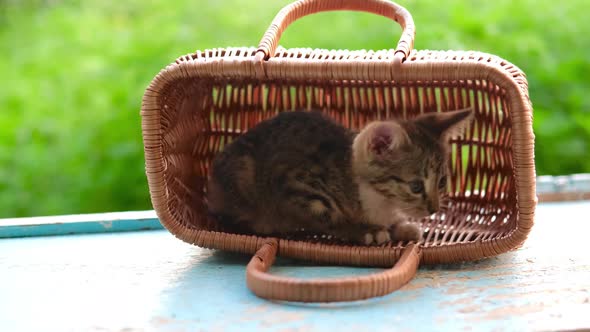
(302, 171)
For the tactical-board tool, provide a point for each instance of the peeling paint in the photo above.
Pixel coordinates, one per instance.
(108, 224)
(150, 281)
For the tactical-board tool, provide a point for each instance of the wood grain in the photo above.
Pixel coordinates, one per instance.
(147, 281)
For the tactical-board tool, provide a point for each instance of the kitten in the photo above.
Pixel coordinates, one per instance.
(301, 170)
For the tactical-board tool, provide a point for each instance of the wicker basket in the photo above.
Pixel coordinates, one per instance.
(200, 102)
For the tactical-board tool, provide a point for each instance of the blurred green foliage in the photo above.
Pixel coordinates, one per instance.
(73, 74)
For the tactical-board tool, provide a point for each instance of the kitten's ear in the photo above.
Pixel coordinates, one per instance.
(447, 124)
(386, 136)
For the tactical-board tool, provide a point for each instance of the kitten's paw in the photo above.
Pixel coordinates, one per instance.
(407, 232)
(368, 239)
(377, 237)
(382, 236)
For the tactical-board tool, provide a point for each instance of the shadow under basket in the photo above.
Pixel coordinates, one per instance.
(199, 103)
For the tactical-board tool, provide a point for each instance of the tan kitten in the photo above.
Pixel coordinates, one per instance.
(301, 170)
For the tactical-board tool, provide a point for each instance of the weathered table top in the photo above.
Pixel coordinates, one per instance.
(136, 281)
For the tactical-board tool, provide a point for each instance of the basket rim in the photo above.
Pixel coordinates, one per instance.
(316, 64)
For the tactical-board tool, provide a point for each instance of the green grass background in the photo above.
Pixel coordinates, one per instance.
(72, 75)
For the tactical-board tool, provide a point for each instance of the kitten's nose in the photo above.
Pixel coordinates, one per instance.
(433, 207)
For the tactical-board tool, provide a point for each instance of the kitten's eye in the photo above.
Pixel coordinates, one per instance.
(416, 186)
(442, 183)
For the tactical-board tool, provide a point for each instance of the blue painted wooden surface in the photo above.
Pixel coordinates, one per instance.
(150, 281)
(79, 224)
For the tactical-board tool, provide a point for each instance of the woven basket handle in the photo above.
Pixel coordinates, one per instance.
(327, 290)
(301, 8)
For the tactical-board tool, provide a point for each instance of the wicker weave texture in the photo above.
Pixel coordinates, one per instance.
(199, 103)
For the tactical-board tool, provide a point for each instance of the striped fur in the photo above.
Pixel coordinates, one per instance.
(301, 170)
